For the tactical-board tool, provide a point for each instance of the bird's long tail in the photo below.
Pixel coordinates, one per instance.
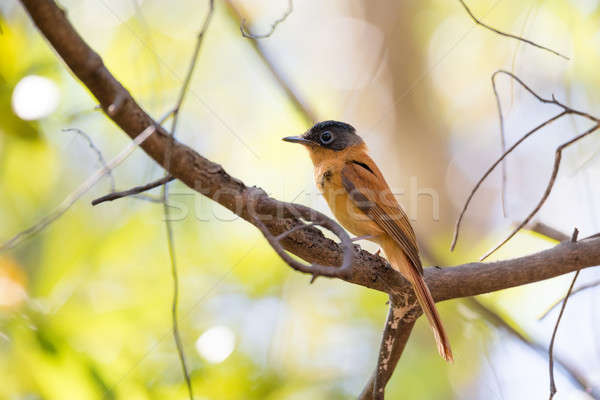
(428, 306)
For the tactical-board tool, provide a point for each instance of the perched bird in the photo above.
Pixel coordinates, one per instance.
(363, 203)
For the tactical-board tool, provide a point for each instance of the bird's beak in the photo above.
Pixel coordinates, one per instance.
(296, 139)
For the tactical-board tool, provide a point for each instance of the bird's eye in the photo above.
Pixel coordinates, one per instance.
(326, 137)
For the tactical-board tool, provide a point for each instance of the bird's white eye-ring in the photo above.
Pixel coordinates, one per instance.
(326, 137)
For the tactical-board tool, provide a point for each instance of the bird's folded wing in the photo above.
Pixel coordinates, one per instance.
(371, 194)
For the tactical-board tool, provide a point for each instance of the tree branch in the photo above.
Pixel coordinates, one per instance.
(509, 35)
(165, 197)
(566, 110)
(255, 206)
(398, 327)
(555, 330)
(496, 320)
(310, 115)
(401, 318)
(133, 191)
(211, 180)
(581, 288)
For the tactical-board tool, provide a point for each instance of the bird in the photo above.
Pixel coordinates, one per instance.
(361, 200)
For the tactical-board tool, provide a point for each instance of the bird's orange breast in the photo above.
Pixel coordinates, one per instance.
(329, 181)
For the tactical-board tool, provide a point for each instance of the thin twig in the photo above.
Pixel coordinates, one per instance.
(165, 198)
(509, 35)
(560, 314)
(502, 142)
(96, 150)
(491, 169)
(557, 159)
(247, 34)
(133, 191)
(310, 115)
(81, 190)
(498, 321)
(513, 64)
(581, 288)
(566, 110)
(494, 318)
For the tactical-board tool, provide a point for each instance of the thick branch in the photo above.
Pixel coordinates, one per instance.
(211, 180)
(401, 318)
(253, 205)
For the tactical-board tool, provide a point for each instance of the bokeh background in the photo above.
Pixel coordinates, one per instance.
(85, 304)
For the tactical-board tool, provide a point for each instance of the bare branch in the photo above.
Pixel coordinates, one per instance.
(557, 159)
(566, 110)
(275, 217)
(133, 191)
(190, 72)
(509, 35)
(581, 288)
(82, 189)
(293, 95)
(317, 218)
(498, 321)
(247, 34)
(165, 197)
(560, 314)
(491, 169)
(402, 314)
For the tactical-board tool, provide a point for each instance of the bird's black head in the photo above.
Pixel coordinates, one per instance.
(333, 135)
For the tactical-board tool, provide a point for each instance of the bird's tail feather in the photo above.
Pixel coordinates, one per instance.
(428, 306)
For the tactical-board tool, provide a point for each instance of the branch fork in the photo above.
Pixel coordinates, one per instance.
(274, 218)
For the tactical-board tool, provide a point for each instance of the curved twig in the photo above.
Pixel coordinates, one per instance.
(316, 218)
(509, 35)
(560, 314)
(581, 288)
(557, 159)
(495, 319)
(491, 169)
(82, 189)
(565, 111)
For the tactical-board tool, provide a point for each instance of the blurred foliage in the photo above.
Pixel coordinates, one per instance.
(85, 305)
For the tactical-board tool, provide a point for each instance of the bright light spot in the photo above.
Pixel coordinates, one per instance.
(216, 344)
(34, 97)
